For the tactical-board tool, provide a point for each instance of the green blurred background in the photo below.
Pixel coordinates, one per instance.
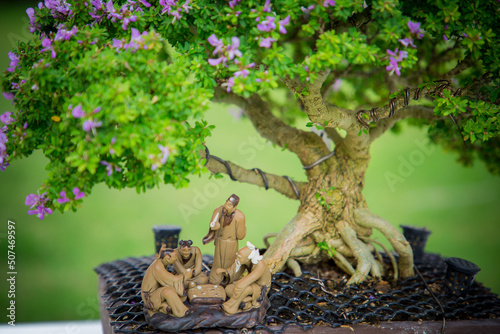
(55, 257)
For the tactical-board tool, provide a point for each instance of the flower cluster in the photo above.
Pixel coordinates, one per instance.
(38, 202)
(3, 140)
(89, 124)
(414, 30)
(127, 13)
(224, 51)
(269, 25)
(47, 46)
(78, 194)
(136, 41)
(59, 9)
(161, 159)
(14, 60)
(326, 4)
(110, 167)
(393, 66)
(172, 7)
(233, 3)
(64, 34)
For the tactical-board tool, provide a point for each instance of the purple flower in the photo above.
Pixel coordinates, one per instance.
(77, 112)
(217, 43)
(328, 3)
(267, 7)
(414, 27)
(308, 9)
(266, 42)
(225, 52)
(111, 149)
(145, 3)
(445, 38)
(284, 23)
(393, 66)
(47, 45)
(63, 198)
(14, 60)
(118, 43)
(40, 211)
(89, 125)
(39, 201)
(9, 95)
(6, 118)
(64, 34)
(407, 41)
(165, 152)
(136, 40)
(217, 61)
(267, 25)
(110, 167)
(232, 49)
(78, 194)
(33, 25)
(233, 3)
(229, 84)
(172, 8)
(243, 73)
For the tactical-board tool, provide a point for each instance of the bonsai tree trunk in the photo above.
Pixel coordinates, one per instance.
(332, 210)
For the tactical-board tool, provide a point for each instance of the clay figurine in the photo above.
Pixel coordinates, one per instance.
(247, 292)
(162, 291)
(227, 227)
(189, 258)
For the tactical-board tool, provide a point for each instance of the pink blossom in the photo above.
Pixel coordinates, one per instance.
(6, 118)
(328, 3)
(63, 198)
(78, 194)
(266, 42)
(283, 23)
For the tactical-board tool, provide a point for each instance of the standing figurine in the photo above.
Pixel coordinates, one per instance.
(162, 291)
(227, 227)
(250, 291)
(189, 258)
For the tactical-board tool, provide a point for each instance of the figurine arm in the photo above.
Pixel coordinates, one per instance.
(163, 277)
(198, 262)
(179, 268)
(241, 229)
(252, 277)
(214, 222)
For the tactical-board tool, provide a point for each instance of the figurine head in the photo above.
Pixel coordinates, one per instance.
(168, 256)
(247, 255)
(185, 248)
(231, 204)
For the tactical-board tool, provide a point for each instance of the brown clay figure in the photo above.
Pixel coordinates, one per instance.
(162, 291)
(189, 259)
(227, 227)
(247, 292)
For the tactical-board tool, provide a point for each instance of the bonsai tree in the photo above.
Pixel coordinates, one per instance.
(114, 92)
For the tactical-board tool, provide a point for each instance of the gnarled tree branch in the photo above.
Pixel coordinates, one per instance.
(276, 182)
(408, 112)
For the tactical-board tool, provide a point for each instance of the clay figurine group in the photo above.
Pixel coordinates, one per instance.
(239, 279)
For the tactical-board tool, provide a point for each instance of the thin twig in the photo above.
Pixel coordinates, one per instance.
(433, 296)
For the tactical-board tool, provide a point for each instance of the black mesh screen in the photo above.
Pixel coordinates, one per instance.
(308, 301)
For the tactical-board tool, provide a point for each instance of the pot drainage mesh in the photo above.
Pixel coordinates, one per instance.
(308, 302)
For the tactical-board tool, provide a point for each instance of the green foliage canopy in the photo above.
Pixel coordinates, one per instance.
(115, 92)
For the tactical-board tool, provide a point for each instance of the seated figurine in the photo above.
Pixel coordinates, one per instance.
(162, 291)
(189, 258)
(247, 292)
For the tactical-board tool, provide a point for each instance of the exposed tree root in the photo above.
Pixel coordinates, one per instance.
(365, 260)
(343, 264)
(303, 224)
(367, 219)
(389, 254)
